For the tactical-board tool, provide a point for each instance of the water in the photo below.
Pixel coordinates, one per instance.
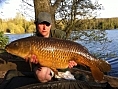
(13, 37)
(107, 50)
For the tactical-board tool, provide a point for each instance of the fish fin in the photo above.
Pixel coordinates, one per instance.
(54, 70)
(103, 65)
(97, 74)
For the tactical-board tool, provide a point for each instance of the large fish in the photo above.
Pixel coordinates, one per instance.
(56, 54)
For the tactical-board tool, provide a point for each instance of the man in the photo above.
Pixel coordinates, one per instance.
(43, 29)
(43, 74)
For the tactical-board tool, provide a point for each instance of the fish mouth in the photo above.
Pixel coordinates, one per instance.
(6, 48)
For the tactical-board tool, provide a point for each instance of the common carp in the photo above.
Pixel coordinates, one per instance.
(56, 54)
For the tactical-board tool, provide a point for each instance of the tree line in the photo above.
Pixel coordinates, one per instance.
(99, 23)
(19, 25)
(67, 10)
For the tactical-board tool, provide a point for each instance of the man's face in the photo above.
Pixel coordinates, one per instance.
(44, 28)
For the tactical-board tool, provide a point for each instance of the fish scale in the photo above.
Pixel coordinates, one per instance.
(56, 54)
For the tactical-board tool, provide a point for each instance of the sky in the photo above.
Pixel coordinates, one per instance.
(110, 8)
(9, 9)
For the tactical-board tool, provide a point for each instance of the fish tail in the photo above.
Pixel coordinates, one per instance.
(96, 66)
(97, 74)
(103, 65)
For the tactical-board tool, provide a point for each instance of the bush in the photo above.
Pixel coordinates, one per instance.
(3, 40)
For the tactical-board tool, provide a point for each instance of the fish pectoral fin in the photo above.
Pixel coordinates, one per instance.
(54, 70)
(97, 74)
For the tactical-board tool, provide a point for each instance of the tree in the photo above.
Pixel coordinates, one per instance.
(77, 9)
(31, 29)
(66, 10)
(44, 5)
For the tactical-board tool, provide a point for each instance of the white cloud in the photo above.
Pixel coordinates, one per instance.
(110, 8)
(9, 10)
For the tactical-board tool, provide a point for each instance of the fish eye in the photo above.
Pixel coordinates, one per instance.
(15, 44)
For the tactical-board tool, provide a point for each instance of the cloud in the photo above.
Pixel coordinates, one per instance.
(9, 10)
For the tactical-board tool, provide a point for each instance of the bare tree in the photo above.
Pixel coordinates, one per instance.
(45, 5)
(41, 5)
(66, 10)
(72, 11)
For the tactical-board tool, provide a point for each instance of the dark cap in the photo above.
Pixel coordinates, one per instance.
(44, 16)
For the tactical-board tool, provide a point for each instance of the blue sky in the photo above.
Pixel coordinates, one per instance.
(110, 8)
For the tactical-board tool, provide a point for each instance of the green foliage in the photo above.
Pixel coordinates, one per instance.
(91, 24)
(3, 40)
(17, 25)
(3, 26)
(19, 29)
(11, 27)
(31, 29)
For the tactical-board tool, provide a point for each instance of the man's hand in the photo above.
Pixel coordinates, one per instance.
(72, 64)
(34, 59)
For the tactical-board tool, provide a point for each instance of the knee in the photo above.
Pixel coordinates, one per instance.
(10, 74)
(43, 75)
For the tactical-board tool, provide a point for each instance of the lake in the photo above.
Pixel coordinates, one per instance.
(107, 50)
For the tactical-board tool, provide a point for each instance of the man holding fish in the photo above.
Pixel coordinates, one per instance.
(43, 29)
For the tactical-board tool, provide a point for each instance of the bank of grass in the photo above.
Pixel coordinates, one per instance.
(3, 41)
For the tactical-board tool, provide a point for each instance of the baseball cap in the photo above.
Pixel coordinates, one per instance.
(44, 16)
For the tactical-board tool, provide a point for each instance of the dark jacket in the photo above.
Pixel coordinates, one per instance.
(58, 34)
(54, 33)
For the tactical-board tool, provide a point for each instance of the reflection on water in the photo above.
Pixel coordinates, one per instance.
(108, 50)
